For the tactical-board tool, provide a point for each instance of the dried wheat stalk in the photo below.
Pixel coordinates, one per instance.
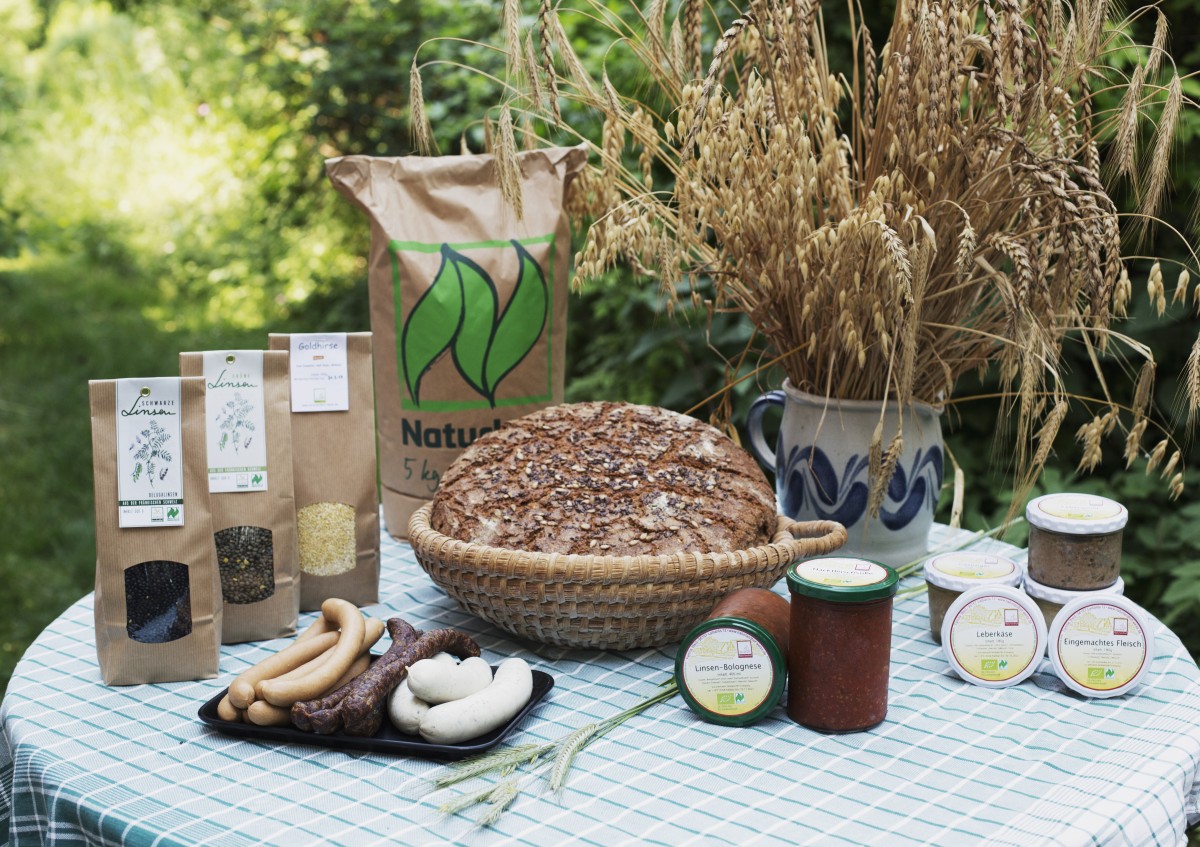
(935, 210)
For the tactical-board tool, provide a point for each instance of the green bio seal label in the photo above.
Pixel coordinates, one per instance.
(235, 423)
(1101, 646)
(149, 453)
(727, 672)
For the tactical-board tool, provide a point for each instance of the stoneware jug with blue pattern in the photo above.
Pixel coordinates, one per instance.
(821, 459)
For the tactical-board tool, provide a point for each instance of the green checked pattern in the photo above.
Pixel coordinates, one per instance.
(82, 764)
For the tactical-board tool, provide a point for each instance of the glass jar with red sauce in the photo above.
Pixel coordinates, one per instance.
(840, 643)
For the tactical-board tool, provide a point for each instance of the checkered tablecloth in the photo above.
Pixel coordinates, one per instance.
(952, 764)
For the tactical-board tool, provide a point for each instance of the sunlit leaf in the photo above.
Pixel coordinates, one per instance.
(432, 324)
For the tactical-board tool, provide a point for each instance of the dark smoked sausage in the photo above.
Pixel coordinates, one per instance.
(309, 714)
(357, 708)
(362, 708)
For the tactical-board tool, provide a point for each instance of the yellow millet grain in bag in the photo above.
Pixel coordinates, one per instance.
(325, 532)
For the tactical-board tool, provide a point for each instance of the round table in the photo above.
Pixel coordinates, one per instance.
(1035, 764)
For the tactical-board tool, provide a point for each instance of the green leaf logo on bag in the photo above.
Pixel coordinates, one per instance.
(460, 313)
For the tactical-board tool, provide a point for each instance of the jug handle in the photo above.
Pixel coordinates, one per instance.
(758, 444)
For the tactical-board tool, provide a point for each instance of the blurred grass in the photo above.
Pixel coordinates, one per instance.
(64, 321)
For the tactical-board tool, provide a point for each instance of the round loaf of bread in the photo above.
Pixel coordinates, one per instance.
(611, 479)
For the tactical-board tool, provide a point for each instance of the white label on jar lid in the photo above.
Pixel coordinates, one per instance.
(1080, 507)
(840, 571)
(1101, 646)
(728, 671)
(992, 636)
(967, 565)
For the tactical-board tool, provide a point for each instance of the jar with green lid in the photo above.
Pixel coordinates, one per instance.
(1051, 600)
(948, 575)
(840, 643)
(1075, 540)
(731, 667)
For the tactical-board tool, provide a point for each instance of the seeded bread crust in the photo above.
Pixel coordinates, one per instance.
(606, 479)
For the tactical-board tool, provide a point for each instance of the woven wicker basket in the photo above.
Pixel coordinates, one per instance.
(606, 602)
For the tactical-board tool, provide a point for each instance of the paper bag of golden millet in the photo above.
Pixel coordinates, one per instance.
(334, 466)
(468, 303)
(158, 595)
(248, 434)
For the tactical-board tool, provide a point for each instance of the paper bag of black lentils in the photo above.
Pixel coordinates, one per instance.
(248, 431)
(158, 601)
(334, 465)
(468, 304)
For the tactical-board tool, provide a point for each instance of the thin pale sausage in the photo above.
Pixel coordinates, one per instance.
(241, 690)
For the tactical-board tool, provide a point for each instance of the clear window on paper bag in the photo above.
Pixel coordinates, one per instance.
(246, 558)
(158, 602)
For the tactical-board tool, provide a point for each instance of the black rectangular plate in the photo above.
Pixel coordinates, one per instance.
(388, 740)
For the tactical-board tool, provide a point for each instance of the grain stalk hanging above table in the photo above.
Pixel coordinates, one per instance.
(936, 207)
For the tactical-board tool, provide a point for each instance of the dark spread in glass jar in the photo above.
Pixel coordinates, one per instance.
(1051, 600)
(1075, 540)
(840, 643)
(732, 666)
(950, 574)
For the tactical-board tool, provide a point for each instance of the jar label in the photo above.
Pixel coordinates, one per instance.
(1102, 647)
(149, 453)
(967, 565)
(994, 638)
(1080, 507)
(320, 372)
(841, 571)
(728, 671)
(235, 423)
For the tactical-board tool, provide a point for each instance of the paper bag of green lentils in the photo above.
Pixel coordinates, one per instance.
(334, 466)
(158, 595)
(248, 431)
(468, 304)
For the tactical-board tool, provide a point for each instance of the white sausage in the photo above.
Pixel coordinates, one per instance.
(436, 683)
(404, 709)
(482, 711)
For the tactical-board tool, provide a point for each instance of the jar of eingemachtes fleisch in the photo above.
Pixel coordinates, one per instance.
(1051, 600)
(1075, 540)
(948, 575)
(840, 641)
(1101, 646)
(731, 667)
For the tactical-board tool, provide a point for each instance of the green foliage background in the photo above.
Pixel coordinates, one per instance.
(162, 189)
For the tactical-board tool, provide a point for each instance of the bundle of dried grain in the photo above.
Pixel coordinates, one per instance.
(935, 209)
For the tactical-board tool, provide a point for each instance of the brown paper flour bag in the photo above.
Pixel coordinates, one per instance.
(468, 304)
(334, 466)
(158, 600)
(248, 432)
